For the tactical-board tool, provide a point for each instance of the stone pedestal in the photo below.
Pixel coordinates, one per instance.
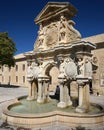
(46, 91)
(30, 96)
(40, 91)
(62, 102)
(43, 94)
(64, 96)
(84, 104)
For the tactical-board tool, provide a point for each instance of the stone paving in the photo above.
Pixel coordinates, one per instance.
(8, 93)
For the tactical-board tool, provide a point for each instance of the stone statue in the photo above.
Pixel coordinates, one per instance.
(29, 72)
(62, 29)
(88, 68)
(40, 36)
(76, 33)
(67, 32)
(81, 66)
(36, 69)
(62, 68)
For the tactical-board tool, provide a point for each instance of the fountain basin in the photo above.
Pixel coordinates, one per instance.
(52, 116)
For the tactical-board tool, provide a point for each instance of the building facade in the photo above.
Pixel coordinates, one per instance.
(98, 57)
(17, 75)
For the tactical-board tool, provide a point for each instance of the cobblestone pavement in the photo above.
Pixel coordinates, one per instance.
(8, 93)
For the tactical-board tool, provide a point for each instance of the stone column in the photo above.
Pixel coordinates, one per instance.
(40, 91)
(43, 82)
(67, 96)
(83, 106)
(46, 91)
(64, 93)
(30, 92)
(34, 90)
(62, 103)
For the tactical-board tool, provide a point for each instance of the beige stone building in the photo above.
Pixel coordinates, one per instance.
(98, 54)
(18, 75)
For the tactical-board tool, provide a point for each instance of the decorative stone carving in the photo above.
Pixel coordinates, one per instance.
(29, 73)
(95, 60)
(40, 40)
(70, 69)
(62, 29)
(88, 68)
(85, 67)
(55, 33)
(51, 35)
(36, 69)
(41, 35)
(67, 33)
(73, 34)
(62, 66)
(81, 66)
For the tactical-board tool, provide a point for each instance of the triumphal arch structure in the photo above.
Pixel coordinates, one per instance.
(59, 44)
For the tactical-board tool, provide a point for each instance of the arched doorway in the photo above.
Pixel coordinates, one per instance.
(52, 71)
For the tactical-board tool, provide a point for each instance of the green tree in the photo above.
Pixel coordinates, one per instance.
(7, 50)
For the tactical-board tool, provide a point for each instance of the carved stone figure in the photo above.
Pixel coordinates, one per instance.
(80, 66)
(29, 73)
(36, 69)
(40, 36)
(67, 33)
(88, 68)
(62, 68)
(62, 29)
(74, 34)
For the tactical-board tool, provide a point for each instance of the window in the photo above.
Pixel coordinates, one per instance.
(23, 79)
(23, 67)
(16, 67)
(16, 78)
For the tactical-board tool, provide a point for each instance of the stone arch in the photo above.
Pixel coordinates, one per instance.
(52, 71)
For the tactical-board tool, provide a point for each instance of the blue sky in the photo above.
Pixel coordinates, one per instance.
(17, 18)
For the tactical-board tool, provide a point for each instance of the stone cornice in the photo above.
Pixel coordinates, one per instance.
(58, 8)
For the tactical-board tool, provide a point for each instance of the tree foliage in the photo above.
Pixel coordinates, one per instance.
(7, 50)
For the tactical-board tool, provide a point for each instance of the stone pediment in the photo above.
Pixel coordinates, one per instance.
(53, 9)
(55, 26)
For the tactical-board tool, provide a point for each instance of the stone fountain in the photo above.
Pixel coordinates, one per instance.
(58, 44)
